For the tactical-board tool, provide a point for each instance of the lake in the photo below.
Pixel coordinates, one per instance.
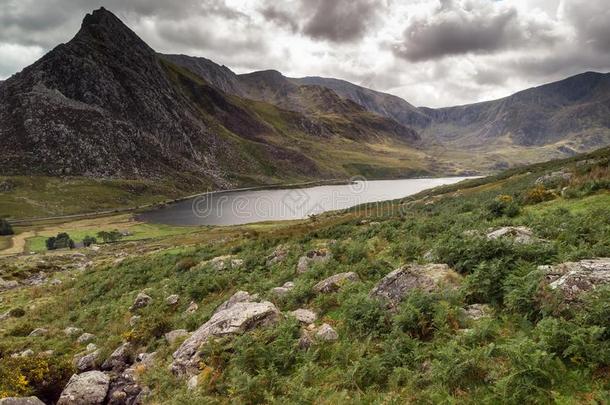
(248, 206)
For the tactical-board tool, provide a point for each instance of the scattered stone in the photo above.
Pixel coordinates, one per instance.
(134, 320)
(306, 340)
(193, 307)
(394, 287)
(25, 353)
(21, 401)
(91, 347)
(279, 255)
(571, 279)
(55, 282)
(141, 301)
(146, 359)
(120, 359)
(312, 257)
(72, 331)
(326, 333)
(335, 282)
(89, 388)
(85, 337)
(477, 311)
(520, 234)
(47, 353)
(553, 179)
(173, 336)
(36, 279)
(304, 316)
(219, 263)
(87, 361)
(38, 332)
(284, 289)
(172, 299)
(230, 319)
(8, 285)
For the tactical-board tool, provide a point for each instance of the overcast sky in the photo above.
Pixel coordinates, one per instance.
(430, 52)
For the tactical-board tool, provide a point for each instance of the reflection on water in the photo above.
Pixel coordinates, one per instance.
(242, 207)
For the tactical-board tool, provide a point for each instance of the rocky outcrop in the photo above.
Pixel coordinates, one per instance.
(312, 257)
(240, 296)
(89, 388)
(231, 319)
(571, 279)
(554, 179)
(335, 282)
(520, 234)
(394, 287)
(278, 255)
(21, 401)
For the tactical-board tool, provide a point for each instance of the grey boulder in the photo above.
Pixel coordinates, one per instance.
(21, 401)
(89, 388)
(571, 279)
(234, 319)
(335, 282)
(394, 287)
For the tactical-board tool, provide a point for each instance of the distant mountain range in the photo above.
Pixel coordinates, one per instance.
(107, 105)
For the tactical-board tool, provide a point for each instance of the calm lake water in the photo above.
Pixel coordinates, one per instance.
(243, 207)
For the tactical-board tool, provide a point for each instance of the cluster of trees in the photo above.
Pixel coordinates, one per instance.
(61, 241)
(5, 227)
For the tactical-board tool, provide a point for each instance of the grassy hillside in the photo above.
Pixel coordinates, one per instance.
(532, 348)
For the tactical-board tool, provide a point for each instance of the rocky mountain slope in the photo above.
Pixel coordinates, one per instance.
(105, 104)
(568, 116)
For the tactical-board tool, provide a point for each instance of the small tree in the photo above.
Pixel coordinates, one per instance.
(61, 241)
(5, 227)
(89, 240)
(109, 237)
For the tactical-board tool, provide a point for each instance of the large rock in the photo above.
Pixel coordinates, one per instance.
(87, 361)
(88, 388)
(326, 333)
(312, 257)
(120, 359)
(335, 282)
(21, 401)
(394, 287)
(572, 279)
(172, 299)
(141, 301)
(234, 319)
(520, 234)
(304, 315)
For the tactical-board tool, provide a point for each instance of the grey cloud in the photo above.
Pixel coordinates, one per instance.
(468, 27)
(340, 20)
(591, 19)
(281, 17)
